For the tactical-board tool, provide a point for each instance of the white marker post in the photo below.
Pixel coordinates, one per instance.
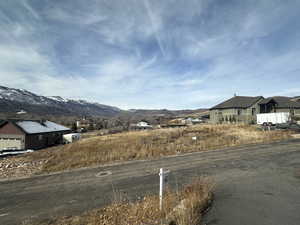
(162, 179)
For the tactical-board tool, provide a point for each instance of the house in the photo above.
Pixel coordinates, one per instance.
(142, 125)
(178, 122)
(30, 134)
(236, 109)
(280, 104)
(193, 121)
(83, 124)
(245, 108)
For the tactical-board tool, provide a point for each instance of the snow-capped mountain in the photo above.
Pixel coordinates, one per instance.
(15, 100)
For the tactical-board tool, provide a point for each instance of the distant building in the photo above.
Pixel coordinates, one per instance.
(142, 125)
(21, 112)
(193, 121)
(30, 134)
(84, 125)
(178, 122)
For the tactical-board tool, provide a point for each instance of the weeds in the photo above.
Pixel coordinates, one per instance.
(151, 144)
(180, 208)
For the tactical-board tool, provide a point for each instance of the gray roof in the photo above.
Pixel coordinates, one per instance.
(238, 102)
(282, 102)
(37, 127)
(34, 127)
(296, 98)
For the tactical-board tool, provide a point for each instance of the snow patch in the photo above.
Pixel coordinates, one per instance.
(58, 98)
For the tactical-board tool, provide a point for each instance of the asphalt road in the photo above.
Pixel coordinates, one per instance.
(256, 184)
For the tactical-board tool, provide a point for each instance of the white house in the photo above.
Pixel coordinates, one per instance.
(143, 124)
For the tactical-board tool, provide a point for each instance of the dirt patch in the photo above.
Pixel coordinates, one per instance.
(19, 167)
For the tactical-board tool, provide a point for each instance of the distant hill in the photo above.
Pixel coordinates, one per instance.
(166, 112)
(21, 101)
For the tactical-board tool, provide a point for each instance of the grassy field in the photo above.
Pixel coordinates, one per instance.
(150, 144)
(184, 207)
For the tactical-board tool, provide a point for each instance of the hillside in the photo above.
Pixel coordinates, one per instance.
(20, 101)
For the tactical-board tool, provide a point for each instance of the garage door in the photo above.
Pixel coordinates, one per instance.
(10, 143)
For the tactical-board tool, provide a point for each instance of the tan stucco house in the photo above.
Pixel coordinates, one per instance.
(236, 109)
(244, 108)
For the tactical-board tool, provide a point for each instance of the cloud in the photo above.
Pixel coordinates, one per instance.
(151, 54)
(30, 9)
(156, 26)
(74, 17)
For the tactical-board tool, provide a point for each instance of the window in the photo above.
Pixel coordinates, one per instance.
(253, 111)
(40, 137)
(239, 111)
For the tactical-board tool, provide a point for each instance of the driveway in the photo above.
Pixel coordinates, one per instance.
(256, 184)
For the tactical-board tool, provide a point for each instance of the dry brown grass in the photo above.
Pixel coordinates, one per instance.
(151, 144)
(180, 208)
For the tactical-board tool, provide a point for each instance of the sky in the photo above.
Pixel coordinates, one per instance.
(152, 54)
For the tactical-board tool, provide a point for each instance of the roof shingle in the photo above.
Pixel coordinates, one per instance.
(282, 102)
(238, 102)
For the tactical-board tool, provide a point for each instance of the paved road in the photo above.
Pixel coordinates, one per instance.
(256, 184)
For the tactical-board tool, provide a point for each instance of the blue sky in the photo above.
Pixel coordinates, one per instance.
(171, 54)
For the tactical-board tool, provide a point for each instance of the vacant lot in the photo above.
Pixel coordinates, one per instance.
(99, 150)
(180, 208)
(146, 145)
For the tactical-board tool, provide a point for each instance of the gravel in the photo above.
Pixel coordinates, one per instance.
(14, 167)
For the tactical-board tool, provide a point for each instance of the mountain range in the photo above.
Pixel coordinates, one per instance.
(20, 101)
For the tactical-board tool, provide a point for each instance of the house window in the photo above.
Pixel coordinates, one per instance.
(253, 111)
(239, 111)
(40, 137)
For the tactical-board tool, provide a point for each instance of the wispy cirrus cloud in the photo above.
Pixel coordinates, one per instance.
(151, 54)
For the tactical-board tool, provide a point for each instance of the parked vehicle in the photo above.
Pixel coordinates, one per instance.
(273, 118)
(70, 138)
